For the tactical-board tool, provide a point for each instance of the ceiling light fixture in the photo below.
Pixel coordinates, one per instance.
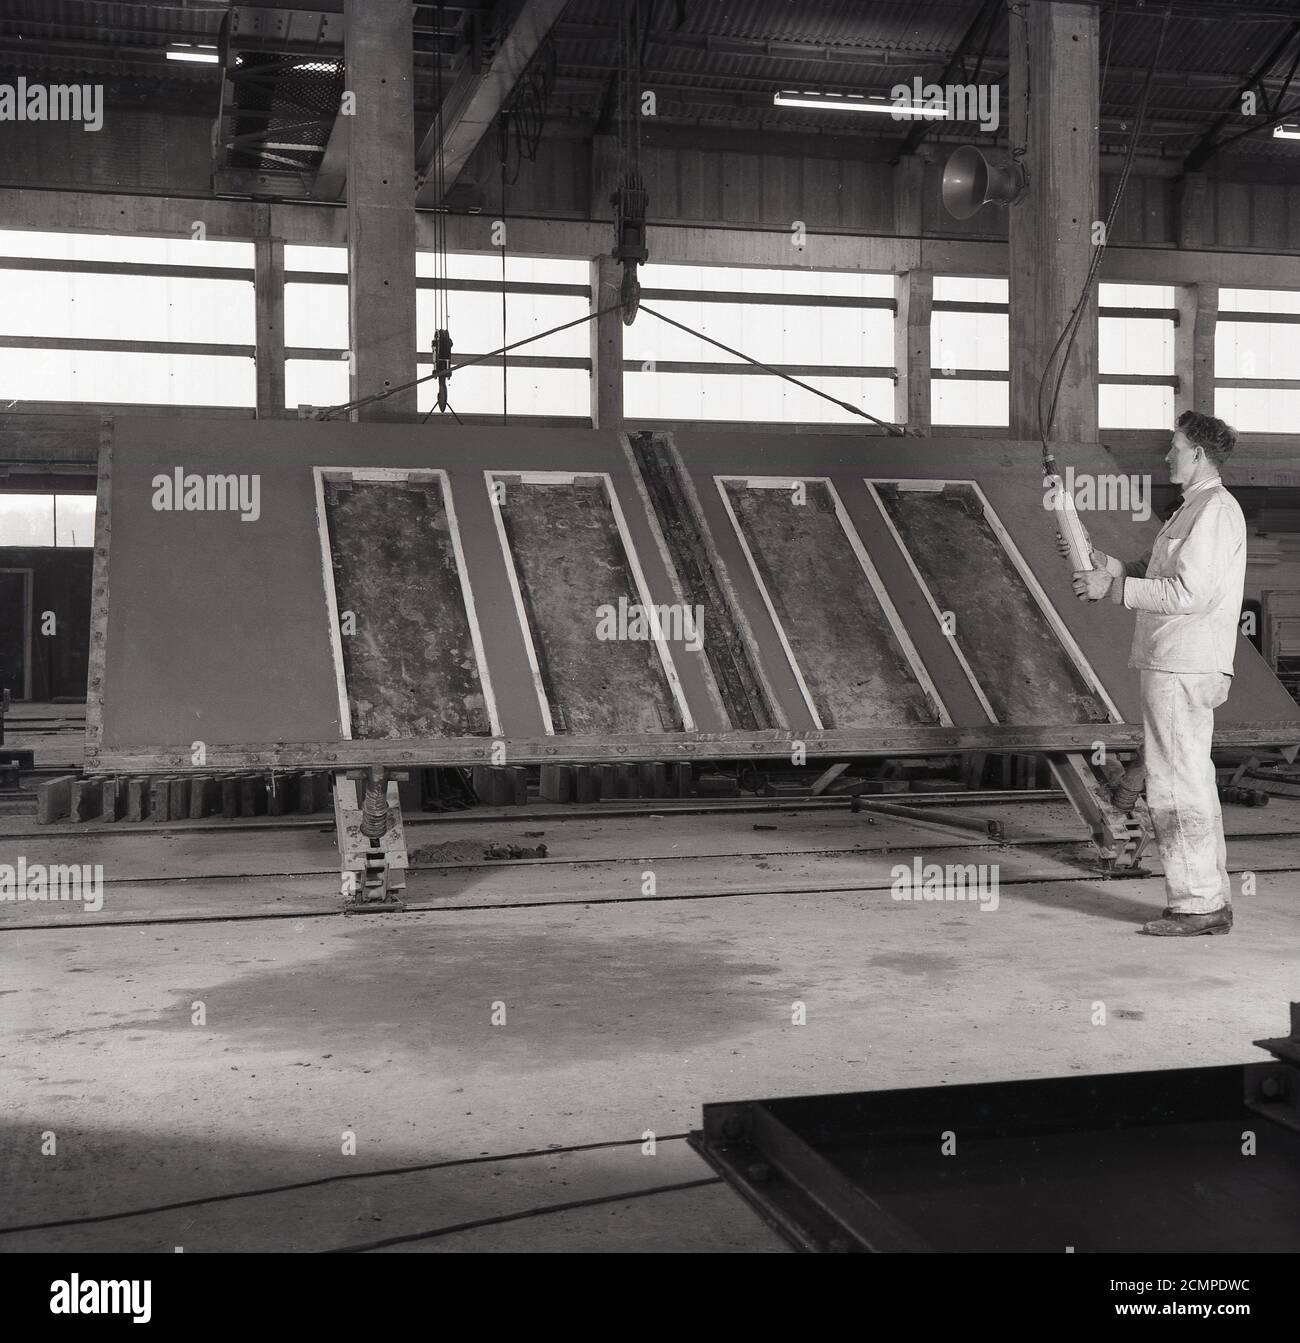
(842, 102)
(182, 52)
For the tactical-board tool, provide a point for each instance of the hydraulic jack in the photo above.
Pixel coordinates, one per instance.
(371, 843)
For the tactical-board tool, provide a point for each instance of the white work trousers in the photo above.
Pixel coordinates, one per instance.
(1182, 793)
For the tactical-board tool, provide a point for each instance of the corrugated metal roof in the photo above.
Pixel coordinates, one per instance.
(721, 64)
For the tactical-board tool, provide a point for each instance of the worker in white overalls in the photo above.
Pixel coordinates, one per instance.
(1187, 593)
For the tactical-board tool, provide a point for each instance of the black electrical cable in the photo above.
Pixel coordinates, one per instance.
(267, 1190)
(525, 1215)
(896, 429)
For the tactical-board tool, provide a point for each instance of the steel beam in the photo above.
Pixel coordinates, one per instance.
(475, 100)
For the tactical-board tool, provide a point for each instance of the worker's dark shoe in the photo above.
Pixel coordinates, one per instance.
(1170, 924)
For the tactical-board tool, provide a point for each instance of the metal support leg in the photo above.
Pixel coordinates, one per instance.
(371, 843)
(1120, 837)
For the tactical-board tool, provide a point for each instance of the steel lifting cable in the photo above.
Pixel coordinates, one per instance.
(896, 429)
(331, 411)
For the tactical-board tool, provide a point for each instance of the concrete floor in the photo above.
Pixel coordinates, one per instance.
(623, 1015)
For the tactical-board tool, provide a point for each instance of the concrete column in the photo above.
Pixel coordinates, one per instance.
(909, 182)
(268, 286)
(912, 358)
(381, 204)
(1192, 204)
(606, 346)
(1198, 315)
(1054, 59)
(604, 175)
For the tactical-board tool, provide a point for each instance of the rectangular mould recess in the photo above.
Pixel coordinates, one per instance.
(411, 662)
(570, 561)
(1019, 656)
(854, 662)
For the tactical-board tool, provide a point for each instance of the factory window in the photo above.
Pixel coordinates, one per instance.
(119, 319)
(1257, 360)
(831, 329)
(1135, 356)
(65, 520)
(546, 377)
(969, 351)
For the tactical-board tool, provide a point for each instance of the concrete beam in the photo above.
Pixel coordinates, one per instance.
(472, 104)
(308, 224)
(1055, 64)
(1198, 316)
(606, 346)
(912, 353)
(381, 205)
(268, 298)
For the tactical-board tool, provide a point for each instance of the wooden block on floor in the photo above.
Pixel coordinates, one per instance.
(87, 798)
(627, 781)
(683, 780)
(159, 799)
(112, 800)
(557, 783)
(586, 784)
(282, 794)
(54, 798)
(518, 785)
(481, 782)
(606, 781)
(308, 783)
(654, 779)
(252, 795)
(137, 799)
(229, 797)
(203, 796)
(178, 800)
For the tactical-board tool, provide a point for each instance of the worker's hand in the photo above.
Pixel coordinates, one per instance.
(1091, 585)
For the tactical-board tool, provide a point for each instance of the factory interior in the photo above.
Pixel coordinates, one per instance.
(576, 670)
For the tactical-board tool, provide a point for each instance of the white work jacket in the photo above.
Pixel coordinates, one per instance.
(1187, 591)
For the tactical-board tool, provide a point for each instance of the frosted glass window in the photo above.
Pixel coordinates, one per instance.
(332, 259)
(1136, 296)
(26, 519)
(970, 289)
(532, 391)
(1135, 345)
(967, 401)
(741, 397)
(126, 307)
(316, 316)
(1256, 350)
(1259, 410)
(159, 379)
(315, 382)
(1124, 407)
(474, 320)
(968, 340)
(519, 269)
(776, 334)
(124, 247)
(1259, 300)
(752, 280)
